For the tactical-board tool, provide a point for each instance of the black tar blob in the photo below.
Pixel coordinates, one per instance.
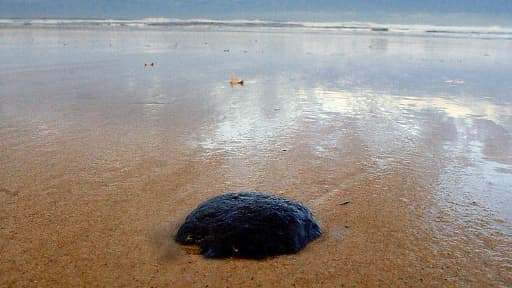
(248, 225)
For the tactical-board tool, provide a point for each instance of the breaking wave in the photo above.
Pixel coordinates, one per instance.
(351, 27)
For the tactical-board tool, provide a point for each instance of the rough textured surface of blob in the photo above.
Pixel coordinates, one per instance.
(248, 225)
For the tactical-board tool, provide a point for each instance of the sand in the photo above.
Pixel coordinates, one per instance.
(103, 157)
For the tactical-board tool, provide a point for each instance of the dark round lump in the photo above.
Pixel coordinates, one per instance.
(248, 225)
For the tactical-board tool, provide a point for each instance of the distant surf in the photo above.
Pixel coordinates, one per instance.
(490, 32)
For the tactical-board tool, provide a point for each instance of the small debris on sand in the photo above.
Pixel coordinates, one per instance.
(344, 203)
(235, 81)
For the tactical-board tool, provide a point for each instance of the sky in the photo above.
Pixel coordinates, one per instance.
(491, 11)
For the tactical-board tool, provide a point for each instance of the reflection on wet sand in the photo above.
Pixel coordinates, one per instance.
(103, 158)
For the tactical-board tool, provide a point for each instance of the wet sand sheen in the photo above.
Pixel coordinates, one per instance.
(102, 158)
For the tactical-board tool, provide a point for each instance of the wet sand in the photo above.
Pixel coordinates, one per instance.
(102, 157)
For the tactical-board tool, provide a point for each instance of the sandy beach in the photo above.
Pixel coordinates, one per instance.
(101, 157)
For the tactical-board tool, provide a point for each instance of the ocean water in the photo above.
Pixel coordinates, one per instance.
(488, 32)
